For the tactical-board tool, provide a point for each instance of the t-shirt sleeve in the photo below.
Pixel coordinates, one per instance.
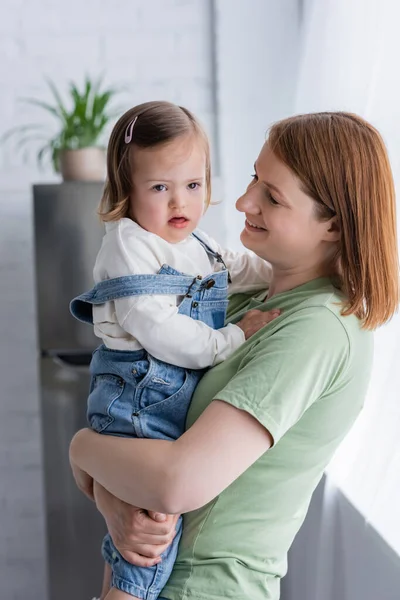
(283, 375)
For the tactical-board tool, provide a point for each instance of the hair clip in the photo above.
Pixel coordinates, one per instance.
(129, 129)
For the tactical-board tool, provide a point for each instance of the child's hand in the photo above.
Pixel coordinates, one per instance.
(254, 320)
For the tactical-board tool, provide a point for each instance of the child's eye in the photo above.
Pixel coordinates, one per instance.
(160, 187)
(254, 177)
(194, 185)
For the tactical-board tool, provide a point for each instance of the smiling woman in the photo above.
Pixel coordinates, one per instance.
(263, 424)
(282, 228)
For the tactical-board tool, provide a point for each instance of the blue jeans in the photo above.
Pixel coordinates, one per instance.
(133, 394)
(142, 582)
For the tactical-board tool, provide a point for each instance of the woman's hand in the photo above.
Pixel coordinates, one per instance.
(82, 480)
(139, 536)
(255, 319)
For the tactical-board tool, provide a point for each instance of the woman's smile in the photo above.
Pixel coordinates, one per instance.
(250, 226)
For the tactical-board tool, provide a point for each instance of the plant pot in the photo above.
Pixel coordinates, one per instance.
(85, 164)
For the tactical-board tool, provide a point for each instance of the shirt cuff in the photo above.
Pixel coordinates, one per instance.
(235, 338)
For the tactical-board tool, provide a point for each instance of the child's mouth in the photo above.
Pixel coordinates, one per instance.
(178, 222)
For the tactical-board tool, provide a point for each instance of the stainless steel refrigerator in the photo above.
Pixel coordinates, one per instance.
(67, 238)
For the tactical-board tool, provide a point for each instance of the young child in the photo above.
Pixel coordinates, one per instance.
(160, 297)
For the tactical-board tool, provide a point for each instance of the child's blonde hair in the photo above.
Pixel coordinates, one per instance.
(154, 123)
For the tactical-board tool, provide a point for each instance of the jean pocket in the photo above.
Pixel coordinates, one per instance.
(105, 390)
(164, 412)
(140, 368)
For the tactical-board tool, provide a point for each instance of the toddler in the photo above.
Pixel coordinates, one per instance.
(160, 297)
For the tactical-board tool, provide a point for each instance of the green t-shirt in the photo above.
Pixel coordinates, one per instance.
(304, 376)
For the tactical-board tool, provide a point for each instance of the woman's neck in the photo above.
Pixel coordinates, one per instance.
(288, 279)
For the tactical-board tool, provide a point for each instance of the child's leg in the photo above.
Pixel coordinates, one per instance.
(109, 593)
(106, 581)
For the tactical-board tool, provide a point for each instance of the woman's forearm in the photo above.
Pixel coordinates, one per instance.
(180, 476)
(138, 471)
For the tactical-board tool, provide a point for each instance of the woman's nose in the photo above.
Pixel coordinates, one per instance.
(246, 203)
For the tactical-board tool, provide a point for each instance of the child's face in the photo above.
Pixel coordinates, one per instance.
(169, 188)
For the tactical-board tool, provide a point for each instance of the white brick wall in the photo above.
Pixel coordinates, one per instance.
(22, 533)
(258, 44)
(156, 49)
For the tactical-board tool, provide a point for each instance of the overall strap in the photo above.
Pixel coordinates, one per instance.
(131, 285)
(139, 285)
(215, 255)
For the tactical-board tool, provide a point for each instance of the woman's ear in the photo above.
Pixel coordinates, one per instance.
(333, 230)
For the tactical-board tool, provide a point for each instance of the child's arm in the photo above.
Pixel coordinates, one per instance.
(248, 272)
(179, 340)
(155, 323)
(154, 320)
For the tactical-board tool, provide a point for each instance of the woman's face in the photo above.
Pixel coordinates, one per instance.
(281, 225)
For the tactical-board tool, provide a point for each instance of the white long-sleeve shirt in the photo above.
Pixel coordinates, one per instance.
(152, 321)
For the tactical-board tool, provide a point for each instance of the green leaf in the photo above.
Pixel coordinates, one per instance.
(19, 129)
(80, 126)
(40, 155)
(51, 109)
(60, 106)
(22, 141)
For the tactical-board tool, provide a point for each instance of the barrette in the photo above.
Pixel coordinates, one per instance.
(129, 129)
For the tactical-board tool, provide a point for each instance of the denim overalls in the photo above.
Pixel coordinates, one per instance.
(135, 395)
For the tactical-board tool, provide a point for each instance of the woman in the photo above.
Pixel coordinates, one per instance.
(264, 424)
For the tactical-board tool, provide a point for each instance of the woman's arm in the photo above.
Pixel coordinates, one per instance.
(140, 536)
(175, 477)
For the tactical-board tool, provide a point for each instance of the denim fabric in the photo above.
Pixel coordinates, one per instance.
(133, 394)
(140, 581)
(203, 299)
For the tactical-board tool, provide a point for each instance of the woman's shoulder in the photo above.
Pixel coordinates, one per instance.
(317, 325)
(328, 305)
(311, 320)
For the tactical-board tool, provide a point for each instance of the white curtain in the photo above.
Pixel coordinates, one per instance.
(351, 61)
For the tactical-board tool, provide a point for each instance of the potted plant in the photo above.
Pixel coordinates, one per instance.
(75, 149)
